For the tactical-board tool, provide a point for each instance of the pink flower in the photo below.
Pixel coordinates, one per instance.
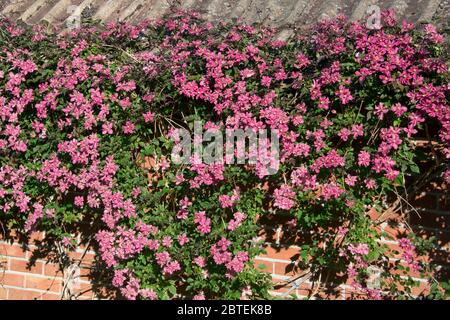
(344, 133)
(302, 61)
(344, 94)
(236, 222)
(148, 116)
(220, 252)
(284, 197)
(183, 239)
(357, 130)
(107, 128)
(148, 294)
(324, 103)
(266, 81)
(203, 223)
(136, 192)
(200, 296)
(172, 267)
(331, 160)
(49, 212)
(179, 179)
(302, 178)
(380, 110)
(200, 261)
(331, 190)
(364, 159)
(148, 97)
(398, 109)
(120, 275)
(163, 165)
(162, 258)
(247, 73)
(236, 265)
(246, 292)
(185, 203)
(128, 128)
(361, 249)
(79, 201)
(225, 201)
(342, 231)
(167, 241)
(433, 34)
(126, 86)
(66, 241)
(370, 184)
(351, 180)
(182, 214)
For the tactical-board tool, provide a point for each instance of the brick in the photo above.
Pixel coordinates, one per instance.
(11, 235)
(444, 203)
(105, 293)
(352, 294)
(268, 235)
(85, 271)
(274, 220)
(85, 291)
(23, 266)
(282, 253)
(84, 287)
(268, 265)
(291, 236)
(430, 220)
(285, 290)
(3, 263)
(18, 294)
(438, 186)
(87, 258)
(373, 214)
(439, 256)
(51, 296)
(288, 269)
(52, 269)
(3, 293)
(415, 274)
(12, 250)
(423, 288)
(36, 237)
(11, 279)
(393, 230)
(304, 292)
(43, 283)
(425, 200)
(443, 239)
(332, 293)
(396, 251)
(307, 288)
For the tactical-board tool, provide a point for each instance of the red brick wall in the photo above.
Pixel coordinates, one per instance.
(24, 277)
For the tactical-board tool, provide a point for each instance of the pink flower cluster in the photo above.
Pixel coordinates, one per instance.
(203, 223)
(409, 254)
(222, 256)
(284, 197)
